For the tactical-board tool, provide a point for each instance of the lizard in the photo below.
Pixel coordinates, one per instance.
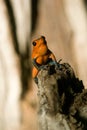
(41, 55)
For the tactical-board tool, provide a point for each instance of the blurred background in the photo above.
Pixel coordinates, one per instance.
(64, 24)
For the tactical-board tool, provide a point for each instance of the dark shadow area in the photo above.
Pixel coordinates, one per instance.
(85, 3)
(68, 87)
(73, 98)
(25, 71)
(12, 24)
(34, 10)
(24, 57)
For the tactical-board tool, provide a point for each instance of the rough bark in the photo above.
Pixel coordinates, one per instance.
(14, 54)
(9, 63)
(62, 99)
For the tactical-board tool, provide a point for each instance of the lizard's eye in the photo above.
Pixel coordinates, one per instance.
(34, 43)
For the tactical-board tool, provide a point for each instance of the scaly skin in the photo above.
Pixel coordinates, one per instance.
(40, 55)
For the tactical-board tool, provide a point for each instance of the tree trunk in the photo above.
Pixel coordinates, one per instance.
(14, 47)
(59, 91)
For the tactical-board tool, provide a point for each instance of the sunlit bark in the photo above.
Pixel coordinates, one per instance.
(10, 74)
(22, 14)
(10, 66)
(76, 14)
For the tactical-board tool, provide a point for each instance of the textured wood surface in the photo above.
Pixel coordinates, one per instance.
(62, 99)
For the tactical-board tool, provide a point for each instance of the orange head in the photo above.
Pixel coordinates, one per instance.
(39, 47)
